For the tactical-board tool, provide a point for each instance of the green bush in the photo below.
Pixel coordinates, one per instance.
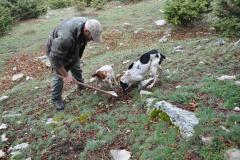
(55, 4)
(228, 13)
(5, 19)
(24, 9)
(98, 4)
(80, 4)
(184, 12)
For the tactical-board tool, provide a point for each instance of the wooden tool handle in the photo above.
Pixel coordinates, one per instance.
(87, 86)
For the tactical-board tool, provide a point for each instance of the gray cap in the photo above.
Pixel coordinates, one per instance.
(95, 28)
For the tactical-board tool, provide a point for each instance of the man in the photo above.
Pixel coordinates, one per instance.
(65, 48)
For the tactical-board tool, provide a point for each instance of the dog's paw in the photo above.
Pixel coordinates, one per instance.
(150, 86)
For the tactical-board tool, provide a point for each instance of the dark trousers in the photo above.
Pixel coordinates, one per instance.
(57, 82)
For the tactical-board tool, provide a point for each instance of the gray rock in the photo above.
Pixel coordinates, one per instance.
(11, 115)
(236, 109)
(3, 98)
(127, 25)
(178, 49)
(185, 120)
(164, 39)
(207, 140)
(220, 42)
(232, 154)
(44, 59)
(2, 154)
(160, 22)
(120, 154)
(21, 146)
(3, 126)
(4, 137)
(139, 30)
(226, 77)
(17, 77)
(237, 44)
(143, 92)
(237, 83)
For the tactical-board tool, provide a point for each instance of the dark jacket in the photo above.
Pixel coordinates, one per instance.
(66, 43)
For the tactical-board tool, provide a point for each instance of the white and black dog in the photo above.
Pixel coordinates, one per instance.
(137, 70)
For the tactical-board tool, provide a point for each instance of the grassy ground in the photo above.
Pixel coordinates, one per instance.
(92, 124)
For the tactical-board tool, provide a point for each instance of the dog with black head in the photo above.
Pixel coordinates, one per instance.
(136, 72)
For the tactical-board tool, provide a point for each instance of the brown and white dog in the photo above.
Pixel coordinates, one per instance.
(104, 74)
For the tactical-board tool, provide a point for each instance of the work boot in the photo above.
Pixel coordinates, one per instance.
(59, 105)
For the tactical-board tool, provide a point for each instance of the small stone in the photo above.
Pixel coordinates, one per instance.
(107, 48)
(178, 86)
(19, 147)
(121, 44)
(3, 98)
(225, 129)
(126, 61)
(128, 131)
(127, 25)
(237, 83)
(4, 138)
(2, 154)
(160, 22)
(11, 115)
(178, 49)
(3, 126)
(43, 59)
(201, 62)
(120, 154)
(220, 42)
(138, 30)
(17, 77)
(226, 77)
(161, 11)
(207, 140)
(14, 68)
(164, 39)
(51, 121)
(236, 109)
(237, 44)
(143, 92)
(29, 78)
(232, 154)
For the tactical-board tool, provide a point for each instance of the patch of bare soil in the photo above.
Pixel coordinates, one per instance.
(187, 33)
(192, 155)
(22, 63)
(69, 148)
(120, 142)
(120, 40)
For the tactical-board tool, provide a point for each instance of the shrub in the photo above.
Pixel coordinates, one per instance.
(5, 19)
(24, 9)
(98, 4)
(80, 4)
(55, 4)
(228, 13)
(184, 12)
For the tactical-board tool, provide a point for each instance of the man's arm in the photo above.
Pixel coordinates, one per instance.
(59, 49)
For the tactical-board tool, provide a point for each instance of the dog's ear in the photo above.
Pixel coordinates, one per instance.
(161, 58)
(101, 74)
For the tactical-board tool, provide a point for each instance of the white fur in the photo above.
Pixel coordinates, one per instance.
(109, 76)
(139, 70)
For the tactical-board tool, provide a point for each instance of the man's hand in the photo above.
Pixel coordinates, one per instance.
(69, 79)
